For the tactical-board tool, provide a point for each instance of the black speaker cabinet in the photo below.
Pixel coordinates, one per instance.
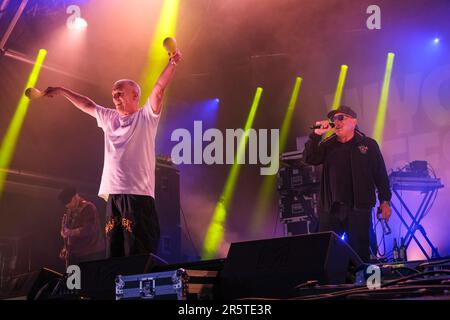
(167, 202)
(274, 267)
(34, 285)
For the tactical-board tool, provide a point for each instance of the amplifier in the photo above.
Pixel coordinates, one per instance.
(297, 226)
(290, 178)
(167, 202)
(297, 205)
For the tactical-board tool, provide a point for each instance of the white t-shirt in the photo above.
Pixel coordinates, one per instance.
(129, 166)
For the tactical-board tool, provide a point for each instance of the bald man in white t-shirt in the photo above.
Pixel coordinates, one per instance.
(128, 179)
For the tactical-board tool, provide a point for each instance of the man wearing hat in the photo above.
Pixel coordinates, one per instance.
(80, 229)
(353, 169)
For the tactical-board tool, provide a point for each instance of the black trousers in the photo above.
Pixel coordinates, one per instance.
(354, 222)
(132, 225)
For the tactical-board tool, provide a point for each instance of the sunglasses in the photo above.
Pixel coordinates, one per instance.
(339, 117)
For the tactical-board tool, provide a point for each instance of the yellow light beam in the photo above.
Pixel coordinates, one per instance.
(268, 187)
(340, 87)
(214, 234)
(157, 58)
(382, 105)
(10, 139)
(338, 93)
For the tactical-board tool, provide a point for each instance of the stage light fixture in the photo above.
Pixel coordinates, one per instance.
(80, 24)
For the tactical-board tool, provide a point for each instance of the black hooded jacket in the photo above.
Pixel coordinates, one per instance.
(367, 167)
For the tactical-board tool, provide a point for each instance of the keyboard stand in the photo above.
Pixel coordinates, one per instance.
(429, 192)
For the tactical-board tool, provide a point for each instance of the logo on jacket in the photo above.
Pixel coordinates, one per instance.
(363, 149)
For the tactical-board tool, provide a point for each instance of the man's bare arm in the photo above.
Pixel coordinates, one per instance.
(157, 94)
(81, 102)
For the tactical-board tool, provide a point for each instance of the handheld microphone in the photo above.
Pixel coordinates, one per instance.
(386, 228)
(170, 44)
(319, 126)
(384, 223)
(33, 93)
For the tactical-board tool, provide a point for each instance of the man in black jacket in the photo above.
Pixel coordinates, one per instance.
(353, 168)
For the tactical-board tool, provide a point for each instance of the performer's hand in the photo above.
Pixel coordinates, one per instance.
(66, 232)
(325, 127)
(63, 254)
(176, 57)
(52, 92)
(385, 211)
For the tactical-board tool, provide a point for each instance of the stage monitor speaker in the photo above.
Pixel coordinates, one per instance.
(208, 265)
(34, 285)
(273, 268)
(98, 277)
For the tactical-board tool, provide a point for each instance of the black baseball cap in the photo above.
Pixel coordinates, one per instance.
(342, 109)
(66, 195)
